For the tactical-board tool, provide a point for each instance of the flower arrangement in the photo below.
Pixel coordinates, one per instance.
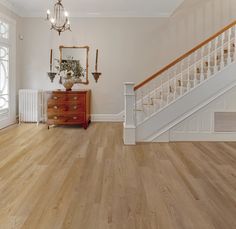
(69, 69)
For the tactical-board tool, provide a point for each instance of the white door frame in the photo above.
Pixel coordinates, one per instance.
(10, 118)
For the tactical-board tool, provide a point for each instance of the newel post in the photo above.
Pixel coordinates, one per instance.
(129, 123)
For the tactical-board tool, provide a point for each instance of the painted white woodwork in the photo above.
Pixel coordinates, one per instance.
(108, 117)
(201, 126)
(229, 47)
(129, 123)
(7, 71)
(203, 120)
(225, 121)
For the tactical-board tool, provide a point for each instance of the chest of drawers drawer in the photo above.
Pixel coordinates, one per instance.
(58, 97)
(60, 119)
(72, 107)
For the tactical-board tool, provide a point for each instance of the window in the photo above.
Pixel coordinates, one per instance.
(4, 30)
(4, 79)
(7, 71)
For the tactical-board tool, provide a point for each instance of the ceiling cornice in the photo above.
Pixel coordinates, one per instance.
(12, 8)
(105, 15)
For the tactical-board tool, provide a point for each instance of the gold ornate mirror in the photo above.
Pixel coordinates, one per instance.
(75, 60)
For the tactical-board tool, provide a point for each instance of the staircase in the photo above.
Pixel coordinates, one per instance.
(181, 88)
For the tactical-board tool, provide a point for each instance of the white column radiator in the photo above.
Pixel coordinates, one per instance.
(30, 105)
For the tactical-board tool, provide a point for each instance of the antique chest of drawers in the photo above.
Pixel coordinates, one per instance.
(69, 108)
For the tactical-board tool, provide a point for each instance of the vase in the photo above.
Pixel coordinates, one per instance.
(68, 84)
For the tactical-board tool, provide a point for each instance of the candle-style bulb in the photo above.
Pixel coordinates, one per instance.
(52, 20)
(48, 14)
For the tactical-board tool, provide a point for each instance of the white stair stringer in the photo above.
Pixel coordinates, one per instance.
(181, 108)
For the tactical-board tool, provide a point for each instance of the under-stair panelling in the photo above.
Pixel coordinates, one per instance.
(201, 125)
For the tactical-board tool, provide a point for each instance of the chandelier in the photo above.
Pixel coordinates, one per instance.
(59, 20)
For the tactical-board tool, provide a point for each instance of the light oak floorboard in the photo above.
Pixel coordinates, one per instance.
(71, 178)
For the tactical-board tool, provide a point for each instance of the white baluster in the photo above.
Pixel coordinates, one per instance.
(215, 55)
(181, 79)
(129, 123)
(234, 43)
(155, 101)
(142, 96)
(161, 94)
(202, 65)
(175, 88)
(188, 74)
(150, 101)
(209, 60)
(137, 106)
(195, 70)
(155, 96)
(229, 47)
(168, 89)
(175, 83)
(142, 103)
(222, 64)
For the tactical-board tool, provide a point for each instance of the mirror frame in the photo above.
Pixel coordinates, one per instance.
(87, 53)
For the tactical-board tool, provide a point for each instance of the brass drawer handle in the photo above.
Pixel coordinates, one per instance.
(55, 97)
(55, 107)
(74, 118)
(55, 117)
(75, 107)
(75, 98)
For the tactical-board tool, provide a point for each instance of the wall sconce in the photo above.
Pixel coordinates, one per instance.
(96, 74)
(51, 74)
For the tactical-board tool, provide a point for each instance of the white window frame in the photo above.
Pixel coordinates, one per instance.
(10, 117)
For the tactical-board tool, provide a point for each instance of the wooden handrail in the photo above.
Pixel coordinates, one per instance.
(184, 56)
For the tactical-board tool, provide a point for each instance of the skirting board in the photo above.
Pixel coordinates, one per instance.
(102, 117)
(206, 136)
(108, 117)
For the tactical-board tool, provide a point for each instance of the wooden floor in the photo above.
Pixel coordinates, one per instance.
(72, 178)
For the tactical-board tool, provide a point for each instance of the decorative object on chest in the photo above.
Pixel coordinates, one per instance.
(69, 108)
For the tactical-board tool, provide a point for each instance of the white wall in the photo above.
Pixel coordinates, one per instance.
(123, 55)
(130, 48)
(192, 23)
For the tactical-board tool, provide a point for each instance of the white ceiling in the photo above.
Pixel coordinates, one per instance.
(97, 8)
